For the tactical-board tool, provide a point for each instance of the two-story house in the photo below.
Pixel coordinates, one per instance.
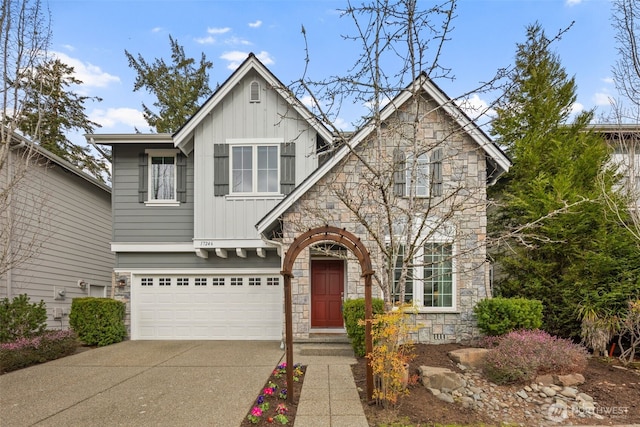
(55, 230)
(203, 218)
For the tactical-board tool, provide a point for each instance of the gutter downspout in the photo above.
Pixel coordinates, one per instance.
(279, 247)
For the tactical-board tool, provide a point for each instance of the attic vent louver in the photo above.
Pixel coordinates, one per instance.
(255, 92)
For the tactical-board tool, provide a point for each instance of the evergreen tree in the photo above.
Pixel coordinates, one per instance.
(178, 87)
(562, 246)
(51, 109)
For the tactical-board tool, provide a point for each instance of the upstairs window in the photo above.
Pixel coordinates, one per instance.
(423, 173)
(162, 177)
(254, 169)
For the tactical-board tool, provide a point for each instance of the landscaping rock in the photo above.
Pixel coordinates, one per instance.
(550, 392)
(440, 378)
(446, 397)
(544, 379)
(568, 380)
(469, 357)
(569, 392)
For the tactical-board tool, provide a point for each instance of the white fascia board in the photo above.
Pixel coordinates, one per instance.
(128, 138)
(151, 247)
(200, 271)
(232, 244)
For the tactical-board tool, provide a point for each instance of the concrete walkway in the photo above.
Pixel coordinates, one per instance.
(329, 396)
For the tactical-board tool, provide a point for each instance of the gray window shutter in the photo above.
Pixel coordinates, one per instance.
(143, 177)
(287, 167)
(436, 172)
(220, 169)
(399, 173)
(181, 174)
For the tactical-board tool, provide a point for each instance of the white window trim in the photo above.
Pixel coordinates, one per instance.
(254, 169)
(445, 236)
(407, 176)
(152, 152)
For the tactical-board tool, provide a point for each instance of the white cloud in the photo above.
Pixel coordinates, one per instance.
(114, 117)
(602, 98)
(90, 75)
(205, 40)
(156, 29)
(237, 41)
(576, 108)
(218, 30)
(255, 24)
(236, 57)
(608, 80)
(572, 2)
(69, 47)
(475, 107)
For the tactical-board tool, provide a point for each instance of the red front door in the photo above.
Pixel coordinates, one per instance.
(327, 287)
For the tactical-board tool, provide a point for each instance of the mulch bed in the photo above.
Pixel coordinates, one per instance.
(606, 382)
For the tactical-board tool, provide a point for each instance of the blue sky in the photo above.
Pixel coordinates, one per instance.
(92, 35)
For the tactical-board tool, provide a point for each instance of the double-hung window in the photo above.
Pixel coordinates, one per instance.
(418, 172)
(429, 282)
(255, 169)
(162, 176)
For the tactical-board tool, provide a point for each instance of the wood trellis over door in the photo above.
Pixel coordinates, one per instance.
(327, 290)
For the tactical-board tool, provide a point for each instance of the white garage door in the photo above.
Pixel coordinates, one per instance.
(206, 307)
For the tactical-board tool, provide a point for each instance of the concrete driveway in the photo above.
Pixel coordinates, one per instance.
(141, 383)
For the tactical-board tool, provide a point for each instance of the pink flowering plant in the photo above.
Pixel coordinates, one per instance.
(270, 408)
(23, 352)
(522, 355)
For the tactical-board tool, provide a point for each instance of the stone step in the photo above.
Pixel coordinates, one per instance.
(324, 349)
(325, 338)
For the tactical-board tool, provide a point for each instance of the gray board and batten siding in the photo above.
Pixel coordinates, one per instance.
(238, 120)
(133, 220)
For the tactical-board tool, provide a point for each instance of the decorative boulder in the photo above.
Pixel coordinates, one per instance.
(470, 357)
(440, 378)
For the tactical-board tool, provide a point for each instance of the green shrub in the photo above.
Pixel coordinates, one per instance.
(98, 321)
(25, 352)
(522, 355)
(353, 312)
(21, 319)
(499, 316)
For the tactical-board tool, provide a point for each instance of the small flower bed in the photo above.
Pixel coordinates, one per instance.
(25, 352)
(520, 356)
(271, 406)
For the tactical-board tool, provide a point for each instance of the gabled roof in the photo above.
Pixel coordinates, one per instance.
(495, 154)
(21, 141)
(184, 134)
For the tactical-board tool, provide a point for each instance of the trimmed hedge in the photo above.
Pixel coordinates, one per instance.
(98, 321)
(21, 319)
(353, 312)
(499, 316)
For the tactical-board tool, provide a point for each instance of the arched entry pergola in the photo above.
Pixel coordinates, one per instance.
(351, 242)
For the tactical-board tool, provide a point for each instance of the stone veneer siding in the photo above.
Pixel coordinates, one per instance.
(464, 174)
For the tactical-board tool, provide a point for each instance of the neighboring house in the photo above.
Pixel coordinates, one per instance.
(57, 221)
(202, 218)
(624, 139)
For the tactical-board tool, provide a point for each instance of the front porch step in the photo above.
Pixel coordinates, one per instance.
(324, 349)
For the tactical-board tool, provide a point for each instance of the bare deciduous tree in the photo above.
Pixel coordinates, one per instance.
(24, 37)
(405, 186)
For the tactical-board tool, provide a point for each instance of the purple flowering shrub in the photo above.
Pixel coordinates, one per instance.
(24, 352)
(522, 355)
